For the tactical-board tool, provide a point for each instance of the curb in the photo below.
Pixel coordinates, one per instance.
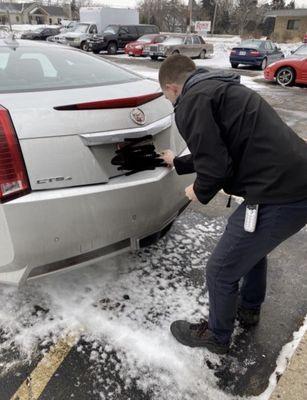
(293, 383)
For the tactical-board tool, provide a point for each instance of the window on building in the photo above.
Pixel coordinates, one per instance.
(293, 24)
(17, 18)
(50, 21)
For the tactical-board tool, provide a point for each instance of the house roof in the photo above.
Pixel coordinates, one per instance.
(55, 11)
(297, 12)
(19, 7)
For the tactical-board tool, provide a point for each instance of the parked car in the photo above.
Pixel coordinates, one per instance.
(189, 45)
(77, 36)
(40, 33)
(255, 52)
(136, 49)
(63, 115)
(290, 70)
(116, 37)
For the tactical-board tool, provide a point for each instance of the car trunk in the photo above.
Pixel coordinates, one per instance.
(67, 147)
(245, 51)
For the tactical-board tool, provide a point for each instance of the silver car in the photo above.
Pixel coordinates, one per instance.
(189, 45)
(63, 115)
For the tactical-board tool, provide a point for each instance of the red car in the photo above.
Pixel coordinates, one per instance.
(290, 70)
(135, 49)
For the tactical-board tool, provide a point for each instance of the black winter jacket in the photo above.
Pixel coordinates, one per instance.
(238, 142)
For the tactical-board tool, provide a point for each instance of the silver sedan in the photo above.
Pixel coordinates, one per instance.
(64, 118)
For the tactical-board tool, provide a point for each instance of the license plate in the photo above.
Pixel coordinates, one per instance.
(242, 53)
(130, 53)
(151, 53)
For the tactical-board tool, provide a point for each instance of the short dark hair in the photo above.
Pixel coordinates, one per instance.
(176, 69)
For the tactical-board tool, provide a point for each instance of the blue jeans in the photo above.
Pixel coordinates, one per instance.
(240, 254)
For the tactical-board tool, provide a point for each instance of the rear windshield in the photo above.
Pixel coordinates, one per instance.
(52, 68)
(301, 50)
(250, 43)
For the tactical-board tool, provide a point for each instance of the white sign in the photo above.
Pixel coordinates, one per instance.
(202, 26)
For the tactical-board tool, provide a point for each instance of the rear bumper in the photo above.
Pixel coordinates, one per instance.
(247, 60)
(72, 227)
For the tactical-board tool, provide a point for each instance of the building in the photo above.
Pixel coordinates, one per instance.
(33, 13)
(286, 25)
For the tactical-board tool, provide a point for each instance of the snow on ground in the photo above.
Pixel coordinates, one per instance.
(125, 306)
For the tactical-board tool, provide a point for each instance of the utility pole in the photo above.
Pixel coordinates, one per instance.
(9, 20)
(189, 30)
(214, 18)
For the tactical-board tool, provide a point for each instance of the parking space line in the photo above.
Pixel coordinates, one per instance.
(35, 384)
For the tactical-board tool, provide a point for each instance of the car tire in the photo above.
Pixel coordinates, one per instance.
(285, 76)
(154, 58)
(112, 48)
(234, 65)
(264, 64)
(84, 46)
(202, 54)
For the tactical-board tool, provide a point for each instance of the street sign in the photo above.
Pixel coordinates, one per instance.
(202, 26)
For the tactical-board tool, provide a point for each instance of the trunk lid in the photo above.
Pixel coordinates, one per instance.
(75, 147)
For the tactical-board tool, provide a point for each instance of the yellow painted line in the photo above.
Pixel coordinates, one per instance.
(35, 384)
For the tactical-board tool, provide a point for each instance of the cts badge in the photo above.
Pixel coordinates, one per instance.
(138, 116)
(53, 180)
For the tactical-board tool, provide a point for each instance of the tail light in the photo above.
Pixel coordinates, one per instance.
(114, 103)
(13, 176)
(233, 52)
(254, 53)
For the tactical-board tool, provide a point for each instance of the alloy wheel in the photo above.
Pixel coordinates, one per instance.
(285, 76)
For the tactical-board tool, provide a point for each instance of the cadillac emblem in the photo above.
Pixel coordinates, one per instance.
(138, 116)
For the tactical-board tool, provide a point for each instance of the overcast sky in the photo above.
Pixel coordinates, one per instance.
(133, 3)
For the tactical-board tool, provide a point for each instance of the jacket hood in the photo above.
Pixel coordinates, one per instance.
(202, 74)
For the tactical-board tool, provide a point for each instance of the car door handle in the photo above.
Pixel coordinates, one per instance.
(117, 136)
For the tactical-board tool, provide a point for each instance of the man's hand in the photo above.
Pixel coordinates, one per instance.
(168, 157)
(189, 192)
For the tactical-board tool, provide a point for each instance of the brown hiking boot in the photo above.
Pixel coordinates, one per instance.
(197, 335)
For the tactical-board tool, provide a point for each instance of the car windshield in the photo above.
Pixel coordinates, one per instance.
(145, 39)
(173, 40)
(301, 51)
(52, 68)
(250, 43)
(39, 30)
(111, 29)
(81, 28)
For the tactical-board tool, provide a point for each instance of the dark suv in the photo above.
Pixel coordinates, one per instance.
(116, 37)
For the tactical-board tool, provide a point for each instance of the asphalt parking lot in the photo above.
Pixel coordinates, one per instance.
(102, 332)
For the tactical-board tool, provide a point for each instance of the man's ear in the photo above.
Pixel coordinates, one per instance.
(171, 86)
